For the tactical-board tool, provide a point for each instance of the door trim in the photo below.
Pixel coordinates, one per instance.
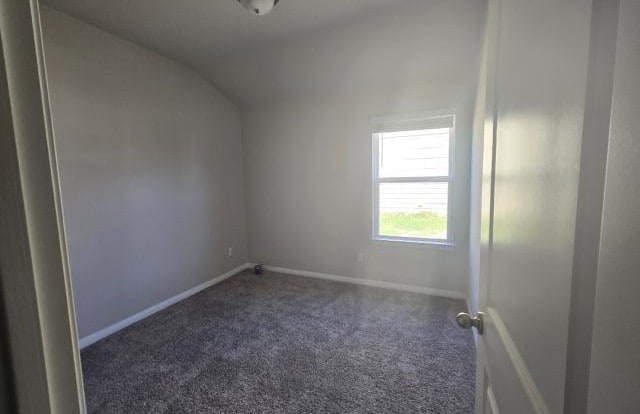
(491, 397)
(35, 275)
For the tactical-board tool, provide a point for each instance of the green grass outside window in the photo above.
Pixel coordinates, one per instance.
(424, 225)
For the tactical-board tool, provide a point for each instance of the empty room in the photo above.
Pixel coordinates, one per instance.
(302, 206)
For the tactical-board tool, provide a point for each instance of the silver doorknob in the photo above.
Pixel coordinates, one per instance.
(466, 321)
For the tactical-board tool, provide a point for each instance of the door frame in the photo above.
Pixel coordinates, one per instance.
(34, 266)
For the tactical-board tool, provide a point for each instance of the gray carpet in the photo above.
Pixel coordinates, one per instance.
(287, 344)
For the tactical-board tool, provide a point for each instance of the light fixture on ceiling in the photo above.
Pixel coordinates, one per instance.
(259, 7)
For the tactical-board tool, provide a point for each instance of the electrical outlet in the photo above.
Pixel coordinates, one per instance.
(230, 252)
(361, 257)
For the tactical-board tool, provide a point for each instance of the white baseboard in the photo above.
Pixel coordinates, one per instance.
(103, 333)
(370, 282)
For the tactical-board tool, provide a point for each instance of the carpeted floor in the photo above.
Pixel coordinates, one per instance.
(287, 344)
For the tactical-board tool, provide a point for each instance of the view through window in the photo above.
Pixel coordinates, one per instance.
(413, 180)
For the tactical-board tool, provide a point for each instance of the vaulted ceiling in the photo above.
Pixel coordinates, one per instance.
(191, 30)
(254, 59)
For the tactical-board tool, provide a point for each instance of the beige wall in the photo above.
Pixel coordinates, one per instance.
(308, 168)
(307, 138)
(151, 171)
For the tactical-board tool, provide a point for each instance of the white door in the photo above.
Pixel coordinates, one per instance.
(536, 55)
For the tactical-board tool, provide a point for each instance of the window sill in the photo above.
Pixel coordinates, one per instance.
(388, 241)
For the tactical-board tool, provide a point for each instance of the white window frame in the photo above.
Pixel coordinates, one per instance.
(408, 123)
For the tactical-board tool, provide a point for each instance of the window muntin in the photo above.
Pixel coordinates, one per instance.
(413, 180)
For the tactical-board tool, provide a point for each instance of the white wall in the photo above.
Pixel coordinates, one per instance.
(307, 138)
(151, 167)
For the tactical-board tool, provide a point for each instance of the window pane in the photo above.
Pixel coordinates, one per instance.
(416, 210)
(421, 153)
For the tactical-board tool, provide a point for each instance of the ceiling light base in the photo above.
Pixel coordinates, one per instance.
(259, 7)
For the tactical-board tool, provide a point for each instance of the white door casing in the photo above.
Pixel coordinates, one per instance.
(35, 277)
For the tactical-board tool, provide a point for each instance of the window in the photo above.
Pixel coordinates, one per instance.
(413, 179)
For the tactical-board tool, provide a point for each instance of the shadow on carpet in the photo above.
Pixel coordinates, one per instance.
(287, 344)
